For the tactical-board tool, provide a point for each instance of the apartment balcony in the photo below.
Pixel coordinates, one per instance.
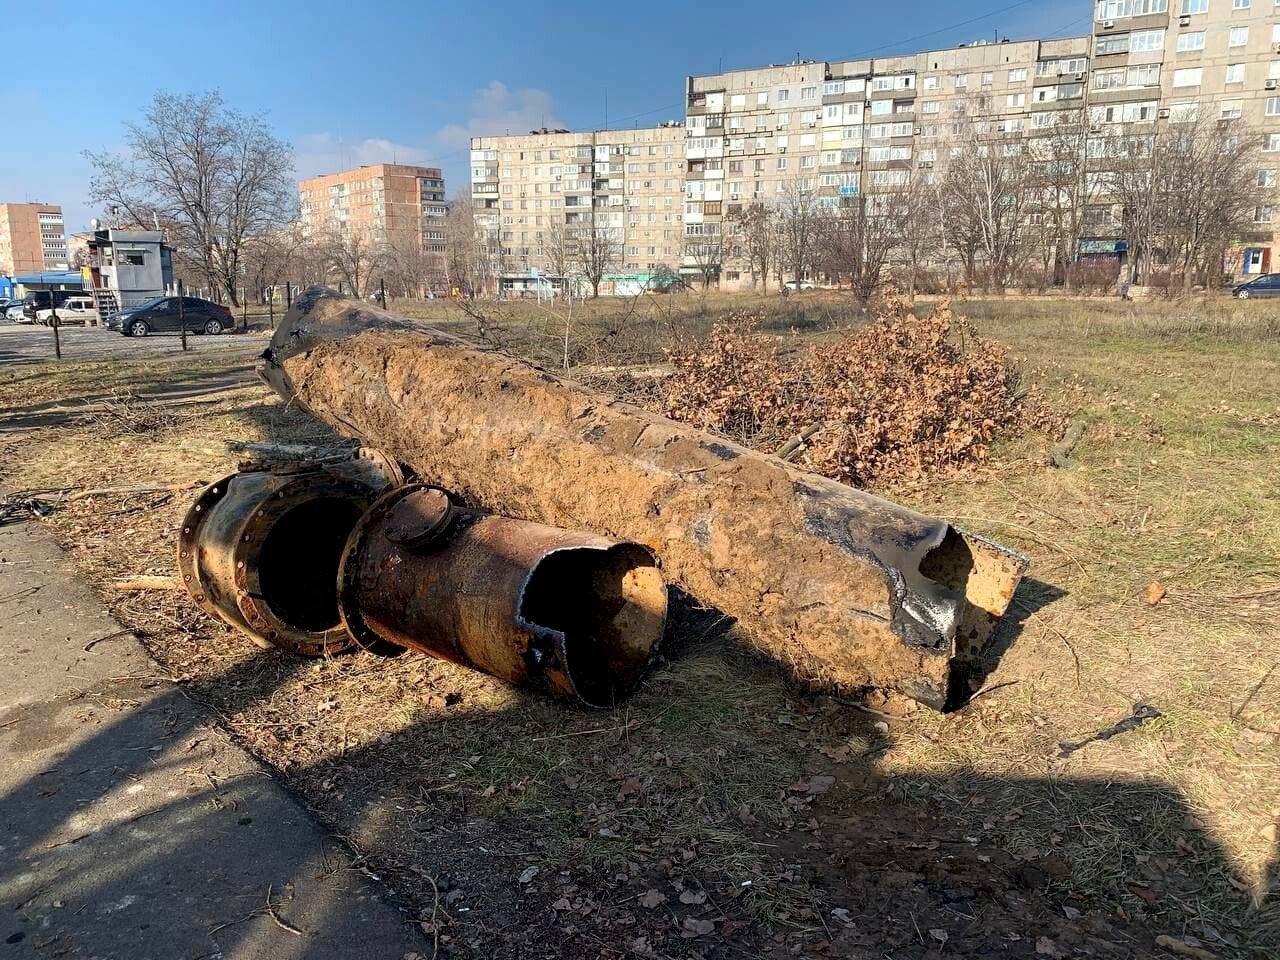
(1119, 95)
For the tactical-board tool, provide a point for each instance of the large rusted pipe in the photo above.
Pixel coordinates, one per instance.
(843, 586)
(260, 549)
(575, 613)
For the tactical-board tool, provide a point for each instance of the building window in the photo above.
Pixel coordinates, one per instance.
(1229, 110)
(1262, 214)
(1273, 107)
(1271, 142)
(1118, 9)
(1018, 76)
(1188, 77)
(135, 258)
(1194, 6)
(1238, 37)
(1144, 41)
(1266, 178)
(1241, 4)
(1190, 41)
(1235, 73)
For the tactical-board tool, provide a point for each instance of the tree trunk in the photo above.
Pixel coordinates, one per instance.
(840, 586)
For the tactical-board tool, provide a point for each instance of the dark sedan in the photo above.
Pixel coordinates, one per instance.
(160, 315)
(1267, 285)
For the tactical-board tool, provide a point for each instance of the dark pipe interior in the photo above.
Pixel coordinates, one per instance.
(611, 607)
(298, 566)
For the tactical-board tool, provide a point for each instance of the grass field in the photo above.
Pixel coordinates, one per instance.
(697, 819)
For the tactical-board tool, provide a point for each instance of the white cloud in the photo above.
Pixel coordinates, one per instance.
(497, 109)
(319, 153)
(493, 109)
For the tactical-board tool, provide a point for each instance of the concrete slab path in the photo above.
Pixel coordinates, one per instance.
(130, 827)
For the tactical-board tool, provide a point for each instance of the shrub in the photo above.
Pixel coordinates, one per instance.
(898, 400)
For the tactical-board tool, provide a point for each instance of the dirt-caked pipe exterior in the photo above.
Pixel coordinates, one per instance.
(576, 614)
(260, 549)
(845, 588)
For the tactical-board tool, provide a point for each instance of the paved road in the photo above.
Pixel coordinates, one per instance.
(130, 826)
(22, 343)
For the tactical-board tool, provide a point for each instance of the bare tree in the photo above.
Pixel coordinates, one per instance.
(858, 239)
(209, 176)
(1185, 194)
(472, 256)
(272, 258)
(1062, 191)
(798, 214)
(558, 249)
(705, 252)
(353, 256)
(597, 249)
(986, 190)
(920, 225)
(755, 232)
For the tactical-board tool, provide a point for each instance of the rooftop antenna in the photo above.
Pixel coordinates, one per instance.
(606, 108)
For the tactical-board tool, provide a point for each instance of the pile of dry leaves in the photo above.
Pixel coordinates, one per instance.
(901, 399)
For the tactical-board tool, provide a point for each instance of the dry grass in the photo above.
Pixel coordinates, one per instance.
(432, 770)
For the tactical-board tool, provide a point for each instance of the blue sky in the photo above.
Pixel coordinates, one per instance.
(363, 82)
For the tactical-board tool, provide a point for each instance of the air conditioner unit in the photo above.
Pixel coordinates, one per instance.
(1277, 47)
(1163, 113)
(1108, 24)
(1269, 84)
(1184, 21)
(1078, 76)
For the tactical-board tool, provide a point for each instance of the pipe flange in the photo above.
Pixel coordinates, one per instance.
(188, 543)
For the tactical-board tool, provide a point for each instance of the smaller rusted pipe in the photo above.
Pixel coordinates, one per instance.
(576, 614)
(259, 549)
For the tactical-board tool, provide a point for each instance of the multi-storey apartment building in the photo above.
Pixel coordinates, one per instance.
(32, 238)
(388, 203)
(843, 130)
(1166, 62)
(535, 194)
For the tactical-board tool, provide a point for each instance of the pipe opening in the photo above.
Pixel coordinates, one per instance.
(611, 606)
(298, 565)
(949, 563)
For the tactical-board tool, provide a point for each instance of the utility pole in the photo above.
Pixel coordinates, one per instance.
(182, 318)
(53, 321)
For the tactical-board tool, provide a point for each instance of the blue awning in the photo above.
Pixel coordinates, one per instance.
(49, 277)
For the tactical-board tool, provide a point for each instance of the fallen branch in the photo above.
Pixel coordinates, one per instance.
(792, 446)
(131, 491)
(1142, 712)
(147, 583)
(1060, 455)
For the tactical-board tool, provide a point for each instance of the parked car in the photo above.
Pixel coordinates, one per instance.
(1267, 285)
(14, 312)
(39, 300)
(160, 315)
(79, 309)
(800, 285)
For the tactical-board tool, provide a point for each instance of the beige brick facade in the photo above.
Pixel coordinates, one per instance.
(390, 203)
(32, 238)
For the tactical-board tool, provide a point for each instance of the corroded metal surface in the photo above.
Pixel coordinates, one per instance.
(259, 549)
(844, 588)
(577, 614)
